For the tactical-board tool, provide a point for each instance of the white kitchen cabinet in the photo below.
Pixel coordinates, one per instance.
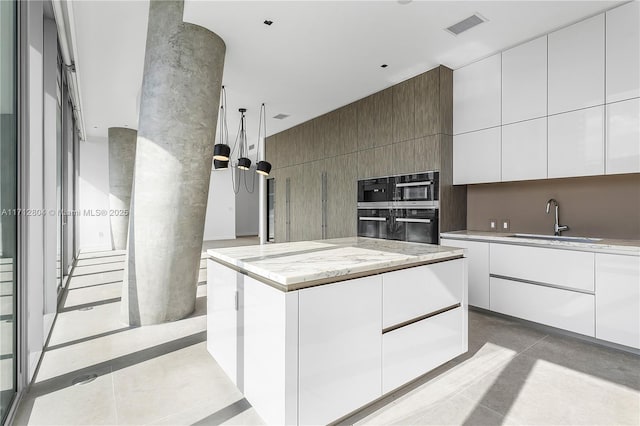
(477, 255)
(524, 150)
(524, 81)
(413, 292)
(268, 345)
(340, 355)
(223, 300)
(576, 143)
(476, 95)
(476, 157)
(623, 52)
(576, 66)
(618, 299)
(623, 137)
(555, 307)
(416, 349)
(564, 268)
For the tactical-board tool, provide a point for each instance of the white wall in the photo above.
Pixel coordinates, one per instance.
(247, 205)
(93, 194)
(220, 221)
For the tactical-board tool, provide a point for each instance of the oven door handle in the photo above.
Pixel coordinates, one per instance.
(376, 219)
(402, 219)
(408, 184)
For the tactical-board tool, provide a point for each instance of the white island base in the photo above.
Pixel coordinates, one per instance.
(314, 355)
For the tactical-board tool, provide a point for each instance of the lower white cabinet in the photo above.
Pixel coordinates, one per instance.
(564, 268)
(623, 137)
(413, 292)
(618, 299)
(416, 349)
(576, 143)
(222, 318)
(524, 150)
(559, 308)
(478, 263)
(476, 157)
(339, 353)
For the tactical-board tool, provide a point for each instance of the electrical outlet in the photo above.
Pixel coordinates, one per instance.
(505, 225)
(493, 224)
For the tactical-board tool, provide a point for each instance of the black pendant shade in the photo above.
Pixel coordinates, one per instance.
(263, 168)
(219, 164)
(244, 163)
(221, 152)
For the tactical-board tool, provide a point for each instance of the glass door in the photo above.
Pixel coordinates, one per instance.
(8, 204)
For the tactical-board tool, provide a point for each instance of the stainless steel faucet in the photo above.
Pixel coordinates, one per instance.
(557, 229)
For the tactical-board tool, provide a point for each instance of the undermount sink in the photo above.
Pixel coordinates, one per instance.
(558, 238)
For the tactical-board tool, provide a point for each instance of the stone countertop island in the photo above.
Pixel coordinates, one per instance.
(297, 265)
(312, 331)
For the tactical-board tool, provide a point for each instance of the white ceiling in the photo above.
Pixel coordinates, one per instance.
(316, 57)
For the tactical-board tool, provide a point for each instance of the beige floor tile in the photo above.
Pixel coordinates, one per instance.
(89, 404)
(536, 391)
(84, 297)
(170, 383)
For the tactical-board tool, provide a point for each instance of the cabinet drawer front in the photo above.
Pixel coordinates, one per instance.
(563, 268)
(618, 299)
(551, 306)
(413, 292)
(416, 349)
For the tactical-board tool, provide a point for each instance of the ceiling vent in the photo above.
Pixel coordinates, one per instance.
(280, 116)
(466, 24)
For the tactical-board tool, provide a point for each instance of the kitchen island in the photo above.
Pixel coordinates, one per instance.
(312, 331)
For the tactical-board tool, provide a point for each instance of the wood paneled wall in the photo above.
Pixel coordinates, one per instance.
(405, 128)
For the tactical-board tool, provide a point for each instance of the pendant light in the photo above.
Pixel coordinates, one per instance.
(220, 165)
(222, 150)
(243, 162)
(263, 167)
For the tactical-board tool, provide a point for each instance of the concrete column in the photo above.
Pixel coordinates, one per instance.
(122, 154)
(178, 117)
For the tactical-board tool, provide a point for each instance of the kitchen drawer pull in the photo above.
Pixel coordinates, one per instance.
(401, 219)
(420, 318)
(376, 219)
(408, 184)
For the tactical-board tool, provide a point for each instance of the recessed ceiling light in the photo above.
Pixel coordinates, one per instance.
(404, 1)
(280, 116)
(95, 127)
(268, 22)
(466, 24)
(384, 66)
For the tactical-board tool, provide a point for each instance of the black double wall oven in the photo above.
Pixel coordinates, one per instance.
(403, 208)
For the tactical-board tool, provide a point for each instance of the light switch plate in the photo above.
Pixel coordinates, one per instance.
(505, 225)
(493, 224)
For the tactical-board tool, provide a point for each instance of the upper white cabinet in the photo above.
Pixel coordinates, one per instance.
(623, 137)
(618, 299)
(576, 66)
(623, 52)
(576, 143)
(524, 150)
(524, 81)
(476, 157)
(476, 95)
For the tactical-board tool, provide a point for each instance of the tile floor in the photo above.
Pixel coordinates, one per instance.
(163, 375)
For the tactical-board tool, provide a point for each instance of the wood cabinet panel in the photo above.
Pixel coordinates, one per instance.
(327, 133)
(427, 153)
(427, 103)
(271, 151)
(280, 178)
(284, 150)
(404, 111)
(446, 100)
(375, 120)
(342, 195)
(348, 134)
(306, 202)
(375, 162)
(404, 157)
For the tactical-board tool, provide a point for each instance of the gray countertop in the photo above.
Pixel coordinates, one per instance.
(610, 246)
